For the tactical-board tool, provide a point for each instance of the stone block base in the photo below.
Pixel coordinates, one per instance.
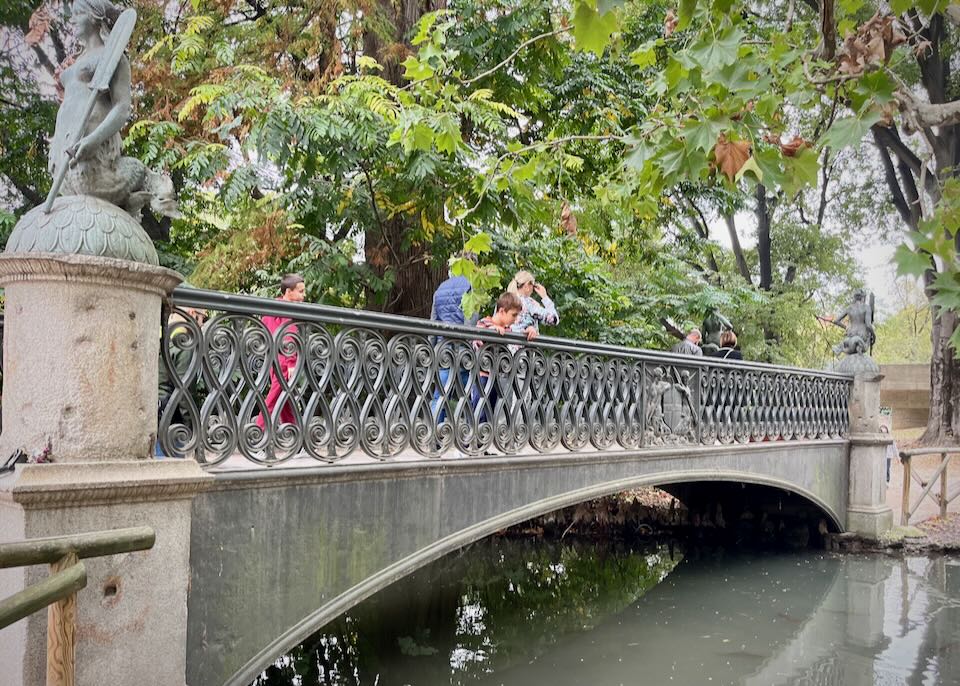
(869, 522)
(132, 615)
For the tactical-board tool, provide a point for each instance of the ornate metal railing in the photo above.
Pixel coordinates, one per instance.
(385, 386)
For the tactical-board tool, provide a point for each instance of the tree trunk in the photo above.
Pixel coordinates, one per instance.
(765, 256)
(387, 247)
(944, 417)
(763, 239)
(415, 279)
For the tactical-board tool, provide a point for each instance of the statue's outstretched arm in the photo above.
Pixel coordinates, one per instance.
(117, 116)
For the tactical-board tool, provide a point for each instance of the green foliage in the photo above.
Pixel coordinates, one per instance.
(484, 279)
(592, 304)
(25, 120)
(300, 135)
(934, 248)
(904, 337)
(593, 25)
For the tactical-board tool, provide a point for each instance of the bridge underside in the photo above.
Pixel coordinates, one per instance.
(276, 554)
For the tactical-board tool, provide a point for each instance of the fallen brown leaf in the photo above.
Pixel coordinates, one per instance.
(39, 25)
(793, 146)
(670, 22)
(568, 220)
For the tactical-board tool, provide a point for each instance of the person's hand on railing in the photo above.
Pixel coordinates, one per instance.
(531, 333)
(499, 329)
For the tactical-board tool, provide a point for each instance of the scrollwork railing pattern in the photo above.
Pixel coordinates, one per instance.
(383, 387)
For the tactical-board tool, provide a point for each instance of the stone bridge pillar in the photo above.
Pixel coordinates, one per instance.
(80, 349)
(867, 513)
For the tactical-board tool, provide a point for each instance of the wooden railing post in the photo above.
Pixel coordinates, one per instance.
(61, 631)
(943, 488)
(58, 592)
(905, 502)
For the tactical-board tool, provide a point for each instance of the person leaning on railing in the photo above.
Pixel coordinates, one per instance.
(292, 289)
(689, 345)
(728, 351)
(532, 313)
(504, 316)
(447, 308)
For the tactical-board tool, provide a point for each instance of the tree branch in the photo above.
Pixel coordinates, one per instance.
(30, 194)
(509, 58)
(821, 210)
(931, 63)
(742, 266)
(699, 222)
(700, 225)
(672, 329)
(373, 199)
(44, 60)
(58, 46)
(927, 115)
(893, 184)
(889, 137)
(763, 239)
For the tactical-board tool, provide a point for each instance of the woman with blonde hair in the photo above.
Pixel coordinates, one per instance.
(524, 284)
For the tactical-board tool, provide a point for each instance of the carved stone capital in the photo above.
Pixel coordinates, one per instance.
(87, 269)
(53, 486)
(858, 364)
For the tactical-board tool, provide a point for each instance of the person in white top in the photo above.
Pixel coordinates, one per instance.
(534, 313)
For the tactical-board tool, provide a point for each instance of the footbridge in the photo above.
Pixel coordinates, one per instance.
(310, 463)
(396, 441)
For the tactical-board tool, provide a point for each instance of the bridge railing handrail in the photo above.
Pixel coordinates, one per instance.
(68, 575)
(931, 450)
(324, 382)
(36, 551)
(330, 314)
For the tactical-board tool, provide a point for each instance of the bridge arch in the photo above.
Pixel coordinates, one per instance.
(297, 547)
(401, 568)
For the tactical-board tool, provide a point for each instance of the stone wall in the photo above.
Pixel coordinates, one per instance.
(905, 389)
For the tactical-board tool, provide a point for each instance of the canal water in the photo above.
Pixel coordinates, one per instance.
(529, 612)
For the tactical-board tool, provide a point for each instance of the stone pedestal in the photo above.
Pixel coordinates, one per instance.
(867, 512)
(81, 350)
(81, 344)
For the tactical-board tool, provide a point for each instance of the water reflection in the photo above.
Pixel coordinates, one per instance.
(530, 612)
